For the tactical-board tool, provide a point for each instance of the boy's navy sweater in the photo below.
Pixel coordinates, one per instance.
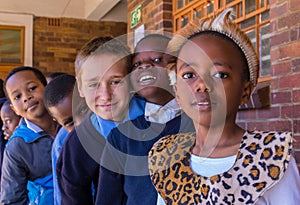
(124, 178)
(76, 167)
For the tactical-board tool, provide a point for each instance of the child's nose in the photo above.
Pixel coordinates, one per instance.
(4, 127)
(104, 92)
(201, 85)
(145, 65)
(27, 97)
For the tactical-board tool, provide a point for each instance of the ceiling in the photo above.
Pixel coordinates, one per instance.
(95, 10)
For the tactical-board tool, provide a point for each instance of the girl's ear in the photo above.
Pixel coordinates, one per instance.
(247, 90)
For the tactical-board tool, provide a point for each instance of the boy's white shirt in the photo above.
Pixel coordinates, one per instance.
(277, 195)
(33, 126)
(162, 114)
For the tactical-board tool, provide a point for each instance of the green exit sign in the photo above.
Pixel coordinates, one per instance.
(136, 16)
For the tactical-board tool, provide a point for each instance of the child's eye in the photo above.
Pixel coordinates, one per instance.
(7, 121)
(188, 75)
(116, 82)
(221, 75)
(32, 88)
(136, 64)
(17, 97)
(92, 85)
(157, 60)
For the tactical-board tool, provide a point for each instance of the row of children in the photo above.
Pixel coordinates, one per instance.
(100, 156)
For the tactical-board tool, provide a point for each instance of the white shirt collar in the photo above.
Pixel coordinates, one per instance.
(33, 126)
(162, 114)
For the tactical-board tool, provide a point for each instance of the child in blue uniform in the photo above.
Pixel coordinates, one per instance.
(124, 176)
(27, 156)
(58, 101)
(10, 120)
(101, 67)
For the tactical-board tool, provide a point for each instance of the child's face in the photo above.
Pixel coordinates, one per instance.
(104, 87)
(62, 113)
(210, 85)
(10, 121)
(25, 92)
(149, 76)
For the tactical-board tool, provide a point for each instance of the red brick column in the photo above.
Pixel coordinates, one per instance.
(285, 58)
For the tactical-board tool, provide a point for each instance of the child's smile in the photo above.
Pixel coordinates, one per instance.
(27, 97)
(146, 76)
(146, 79)
(104, 86)
(149, 77)
(31, 106)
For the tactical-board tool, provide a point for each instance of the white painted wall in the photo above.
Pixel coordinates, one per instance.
(48, 8)
(21, 20)
(118, 13)
(82, 9)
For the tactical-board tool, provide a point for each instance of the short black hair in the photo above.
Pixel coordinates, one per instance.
(164, 40)
(53, 75)
(36, 72)
(5, 103)
(58, 89)
(2, 101)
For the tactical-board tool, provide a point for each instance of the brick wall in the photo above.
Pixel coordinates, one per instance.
(284, 113)
(156, 14)
(57, 41)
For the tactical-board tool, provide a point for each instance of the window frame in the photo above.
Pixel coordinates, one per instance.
(190, 7)
(6, 66)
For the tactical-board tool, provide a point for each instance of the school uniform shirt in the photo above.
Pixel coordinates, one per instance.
(124, 175)
(55, 152)
(78, 164)
(76, 170)
(162, 114)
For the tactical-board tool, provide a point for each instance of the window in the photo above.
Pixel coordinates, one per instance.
(11, 46)
(251, 15)
(16, 41)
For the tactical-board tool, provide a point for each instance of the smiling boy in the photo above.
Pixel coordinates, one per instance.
(101, 68)
(125, 158)
(24, 87)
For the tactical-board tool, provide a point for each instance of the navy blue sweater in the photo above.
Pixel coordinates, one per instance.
(124, 175)
(78, 164)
